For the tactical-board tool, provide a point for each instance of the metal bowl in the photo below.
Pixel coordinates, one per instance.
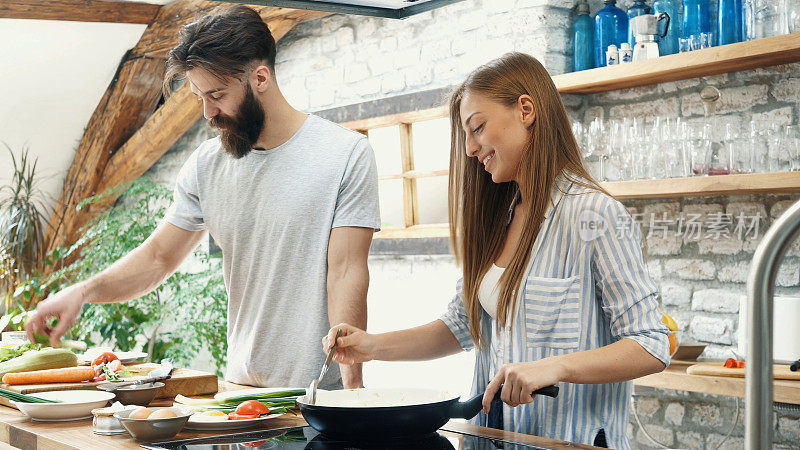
(151, 430)
(138, 395)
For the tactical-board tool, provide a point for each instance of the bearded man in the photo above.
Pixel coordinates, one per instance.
(290, 198)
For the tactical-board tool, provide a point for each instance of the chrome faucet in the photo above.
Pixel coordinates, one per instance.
(760, 287)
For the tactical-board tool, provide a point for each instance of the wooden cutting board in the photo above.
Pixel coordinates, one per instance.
(780, 371)
(188, 382)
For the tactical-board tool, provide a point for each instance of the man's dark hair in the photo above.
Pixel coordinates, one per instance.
(226, 43)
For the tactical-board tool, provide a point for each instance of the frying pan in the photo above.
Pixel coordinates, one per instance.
(389, 413)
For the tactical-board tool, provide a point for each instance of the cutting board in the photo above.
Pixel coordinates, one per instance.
(188, 382)
(780, 371)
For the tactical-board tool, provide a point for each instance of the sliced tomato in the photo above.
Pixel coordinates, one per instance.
(101, 377)
(730, 363)
(105, 358)
(252, 407)
(234, 416)
(115, 365)
(740, 364)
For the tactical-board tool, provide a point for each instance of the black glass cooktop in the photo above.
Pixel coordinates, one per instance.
(306, 438)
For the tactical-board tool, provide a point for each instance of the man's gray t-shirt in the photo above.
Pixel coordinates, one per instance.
(271, 212)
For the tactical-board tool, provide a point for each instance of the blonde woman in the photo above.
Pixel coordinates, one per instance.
(553, 290)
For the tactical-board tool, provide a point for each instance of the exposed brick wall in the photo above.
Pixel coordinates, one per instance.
(341, 60)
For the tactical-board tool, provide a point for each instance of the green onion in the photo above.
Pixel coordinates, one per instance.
(22, 398)
(272, 399)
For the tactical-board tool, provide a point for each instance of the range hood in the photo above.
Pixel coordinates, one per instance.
(393, 9)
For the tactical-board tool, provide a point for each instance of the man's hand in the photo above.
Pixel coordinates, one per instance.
(134, 275)
(64, 306)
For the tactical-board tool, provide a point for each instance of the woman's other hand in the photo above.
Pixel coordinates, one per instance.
(354, 346)
(518, 381)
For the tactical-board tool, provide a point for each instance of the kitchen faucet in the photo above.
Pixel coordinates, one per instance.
(760, 287)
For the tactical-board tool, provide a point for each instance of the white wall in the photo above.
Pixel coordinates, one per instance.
(52, 75)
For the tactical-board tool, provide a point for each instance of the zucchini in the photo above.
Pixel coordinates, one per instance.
(49, 358)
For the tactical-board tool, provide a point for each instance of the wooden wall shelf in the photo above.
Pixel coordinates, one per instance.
(676, 378)
(738, 184)
(699, 63)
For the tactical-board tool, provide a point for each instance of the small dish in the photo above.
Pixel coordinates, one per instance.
(689, 351)
(228, 424)
(150, 430)
(75, 405)
(140, 395)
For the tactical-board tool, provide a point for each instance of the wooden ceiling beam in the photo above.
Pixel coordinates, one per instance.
(79, 10)
(126, 118)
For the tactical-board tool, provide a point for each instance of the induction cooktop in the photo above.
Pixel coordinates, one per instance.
(306, 438)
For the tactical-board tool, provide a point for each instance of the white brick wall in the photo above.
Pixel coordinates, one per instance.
(387, 57)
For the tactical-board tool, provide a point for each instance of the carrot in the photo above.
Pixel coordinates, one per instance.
(64, 375)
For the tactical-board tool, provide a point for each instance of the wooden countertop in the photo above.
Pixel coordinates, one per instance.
(676, 378)
(19, 431)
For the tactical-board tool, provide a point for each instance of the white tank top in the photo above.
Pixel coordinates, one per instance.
(489, 291)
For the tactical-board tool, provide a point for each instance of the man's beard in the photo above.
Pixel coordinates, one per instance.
(240, 133)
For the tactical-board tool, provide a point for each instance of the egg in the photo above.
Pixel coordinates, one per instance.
(143, 413)
(162, 414)
(209, 416)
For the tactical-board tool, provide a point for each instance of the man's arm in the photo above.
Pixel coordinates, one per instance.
(132, 276)
(348, 281)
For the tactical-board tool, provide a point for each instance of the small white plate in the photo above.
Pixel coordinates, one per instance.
(75, 405)
(228, 424)
(254, 391)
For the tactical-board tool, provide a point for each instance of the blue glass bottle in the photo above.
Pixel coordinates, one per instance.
(729, 22)
(583, 39)
(696, 17)
(638, 8)
(668, 45)
(610, 27)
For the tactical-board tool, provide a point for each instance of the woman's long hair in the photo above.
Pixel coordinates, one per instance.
(478, 207)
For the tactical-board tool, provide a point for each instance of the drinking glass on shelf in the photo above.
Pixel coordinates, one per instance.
(790, 147)
(721, 160)
(767, 15)
(695, 42)
(774, 142)
(697, 147)
(580, 138)
(684, 45)
(706, 39)
(758, 149)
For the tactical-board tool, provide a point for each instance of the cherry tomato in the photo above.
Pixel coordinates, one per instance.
(104, 358)
(251, 407)
(730, 363)
(234, 416)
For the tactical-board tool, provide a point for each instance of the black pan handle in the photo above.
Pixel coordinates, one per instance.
(471, 407)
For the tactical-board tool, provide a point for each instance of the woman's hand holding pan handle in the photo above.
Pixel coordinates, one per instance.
(517, 382)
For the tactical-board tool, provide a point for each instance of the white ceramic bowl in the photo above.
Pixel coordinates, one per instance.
(151, 430)
(75, 405)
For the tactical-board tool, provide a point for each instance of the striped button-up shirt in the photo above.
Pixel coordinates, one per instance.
(586, 286)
